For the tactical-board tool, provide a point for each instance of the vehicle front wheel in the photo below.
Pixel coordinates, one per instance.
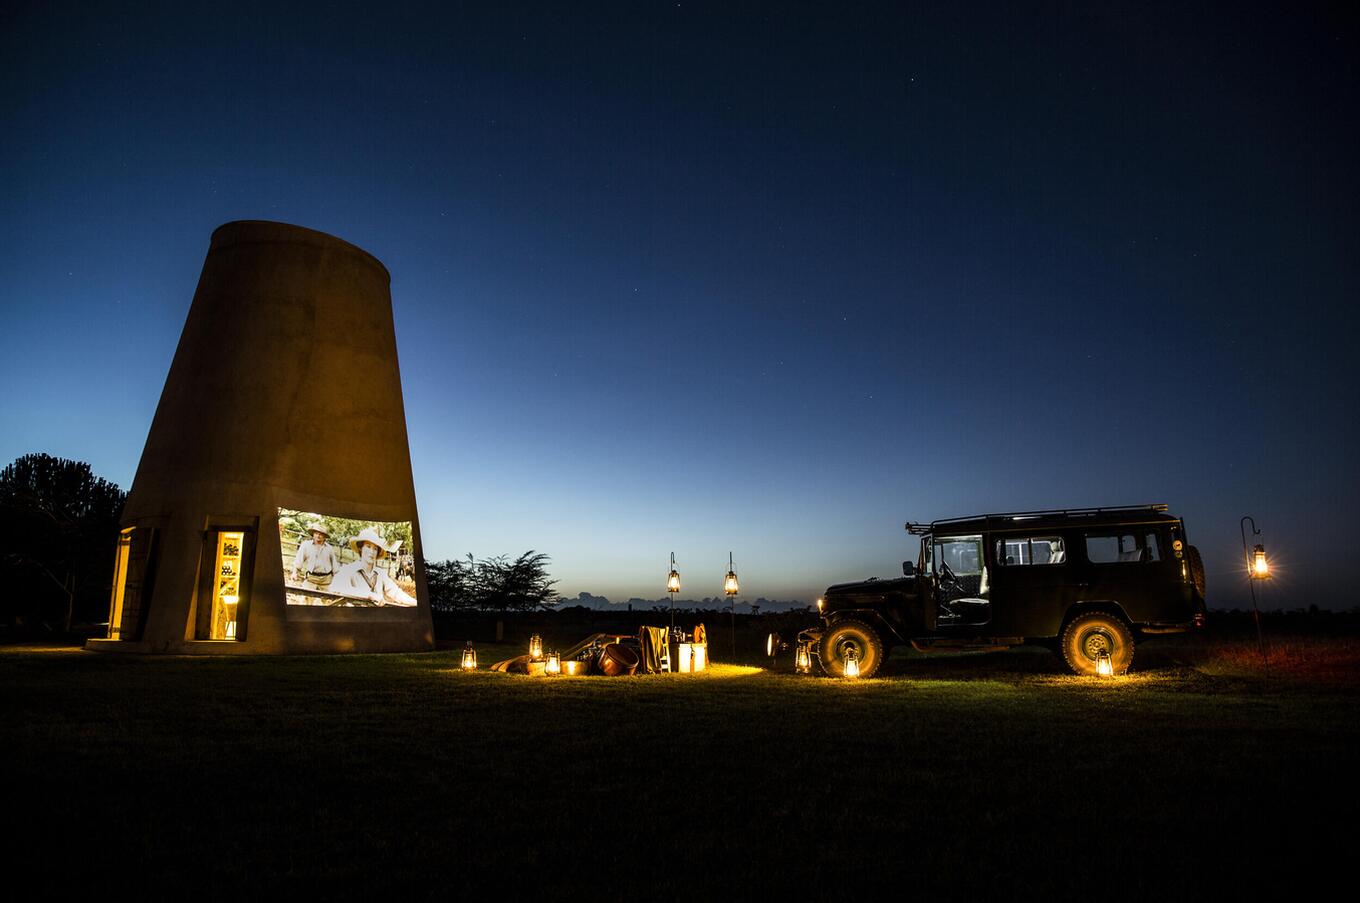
(851, 634)
(1090, 634)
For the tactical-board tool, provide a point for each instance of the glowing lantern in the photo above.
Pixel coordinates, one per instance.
(554, 665)
(673, 580)
(535, 647)
(804, 661)
(730, 585)
(1104, 664)
(469, 658)
(1260, 567)
(851, 662)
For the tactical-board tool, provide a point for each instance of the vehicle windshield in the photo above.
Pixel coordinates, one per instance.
(963, 554)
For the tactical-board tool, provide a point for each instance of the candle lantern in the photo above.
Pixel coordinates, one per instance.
(469, 658)
(535, 648)
(851, 662)
(804, 661)
(554, 665)
(673, 579)
(730, 585)
(1104, 664)
(1260, 566)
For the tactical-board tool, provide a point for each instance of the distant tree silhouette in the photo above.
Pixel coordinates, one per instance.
(452, 584)
(58, 531)
(495, 584)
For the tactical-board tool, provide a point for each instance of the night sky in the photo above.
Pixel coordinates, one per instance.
(709, 277)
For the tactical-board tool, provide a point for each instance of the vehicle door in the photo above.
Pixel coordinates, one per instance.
(1031, 584)
(1128, 565)
(962, 603)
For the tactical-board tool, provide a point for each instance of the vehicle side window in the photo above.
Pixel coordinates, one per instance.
(1031, 550)
(1114, 548)
(1152, 547)
(963, 554)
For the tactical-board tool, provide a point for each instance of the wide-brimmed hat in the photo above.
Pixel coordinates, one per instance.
(319, 528)
(368, 534)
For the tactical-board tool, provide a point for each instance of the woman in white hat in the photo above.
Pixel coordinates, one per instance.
(315, 561)
(363, 579)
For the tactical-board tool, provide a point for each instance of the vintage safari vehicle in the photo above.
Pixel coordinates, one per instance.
(1088, 583)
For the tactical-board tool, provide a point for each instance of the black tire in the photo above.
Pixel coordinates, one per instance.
(845, 634)
(1086, 635)
(1196, 567)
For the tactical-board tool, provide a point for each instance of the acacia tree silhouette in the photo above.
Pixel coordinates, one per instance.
(58, 526)
(495, 584)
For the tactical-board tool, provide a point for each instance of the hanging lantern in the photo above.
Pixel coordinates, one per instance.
(730, 585)
(1260, 567)
(804, 661)
(1104, 664)
(554, 665)
(851, 662)
(673, 580)
(469, 658)
(535, 648)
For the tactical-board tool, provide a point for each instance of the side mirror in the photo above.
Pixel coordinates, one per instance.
(908, 569)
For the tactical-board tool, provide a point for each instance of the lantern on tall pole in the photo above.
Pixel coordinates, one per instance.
(731, 588)
(673, 587)
(1258, 568)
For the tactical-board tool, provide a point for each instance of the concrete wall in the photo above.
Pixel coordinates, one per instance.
(284, 392)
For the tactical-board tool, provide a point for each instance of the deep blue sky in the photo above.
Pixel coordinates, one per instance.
(699, 277)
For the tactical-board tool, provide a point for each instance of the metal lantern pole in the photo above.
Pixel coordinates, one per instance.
(673, 587)
(1255, 572)
(731, 587)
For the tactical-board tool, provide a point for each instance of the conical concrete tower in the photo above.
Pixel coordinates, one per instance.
(282, 412)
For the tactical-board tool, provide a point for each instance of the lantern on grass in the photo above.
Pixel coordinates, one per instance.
(803, 662)
(554, 665)
(1260, 566)
(1104, 664)
(535, 647)
(851, 662)
(469, 658)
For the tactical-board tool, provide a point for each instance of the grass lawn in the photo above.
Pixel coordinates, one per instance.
(399, 775)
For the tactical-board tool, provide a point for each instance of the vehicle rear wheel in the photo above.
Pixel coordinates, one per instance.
(851, 634)
(1090, 634)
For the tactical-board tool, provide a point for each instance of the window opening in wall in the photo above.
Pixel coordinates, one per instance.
(134, 572)
(227, 595)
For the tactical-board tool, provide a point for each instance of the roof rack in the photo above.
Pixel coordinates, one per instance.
(920, 529)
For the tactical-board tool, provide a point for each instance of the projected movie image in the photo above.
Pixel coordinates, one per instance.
(342, 562)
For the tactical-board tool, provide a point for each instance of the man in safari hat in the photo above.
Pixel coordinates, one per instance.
(315, 561)
(363, 579)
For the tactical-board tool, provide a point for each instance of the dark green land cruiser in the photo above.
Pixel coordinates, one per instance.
(1081, 581)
